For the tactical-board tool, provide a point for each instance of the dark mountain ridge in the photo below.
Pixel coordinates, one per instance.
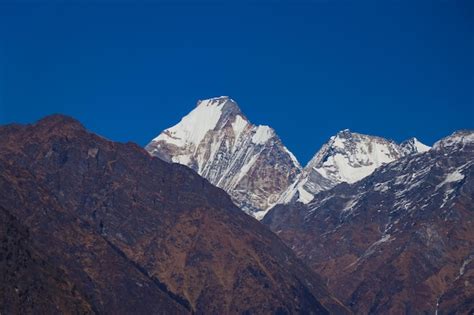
(133, 234)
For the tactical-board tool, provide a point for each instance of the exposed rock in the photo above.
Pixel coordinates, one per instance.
(399, 241)
(346, 158)
(217, 141)
(29, 284)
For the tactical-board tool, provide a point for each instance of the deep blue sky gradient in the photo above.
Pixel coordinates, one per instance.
(308, 69)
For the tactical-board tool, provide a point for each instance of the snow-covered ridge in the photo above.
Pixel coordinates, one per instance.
(351, 156)
(458, 138)
(347, 157)
(251, 163)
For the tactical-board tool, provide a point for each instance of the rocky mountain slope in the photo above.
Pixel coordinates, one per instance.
(346, 158)
(103, 227)
(217, 141)
(28, 283)
(399, 241)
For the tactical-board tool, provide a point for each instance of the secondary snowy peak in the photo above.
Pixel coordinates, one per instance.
(413, 146)
(349, 157)
(458, 139)
(346, 157)
(218, 141)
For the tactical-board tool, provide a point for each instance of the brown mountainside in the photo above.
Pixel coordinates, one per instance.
(400, 241)
(133, 234)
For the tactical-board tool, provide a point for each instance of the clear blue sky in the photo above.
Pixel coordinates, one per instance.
(127, 71)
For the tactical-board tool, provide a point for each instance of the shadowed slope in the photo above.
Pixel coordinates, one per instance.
(136, 234)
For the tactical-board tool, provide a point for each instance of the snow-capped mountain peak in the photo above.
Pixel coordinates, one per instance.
(413, 146)
(346, 157)
(218, 141)
(349, 156)
(457, 139)
(204, 117)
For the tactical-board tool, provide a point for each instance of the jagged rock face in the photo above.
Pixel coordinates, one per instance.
(129, 233)
(217, 141)
(399, 241)
(346, 158)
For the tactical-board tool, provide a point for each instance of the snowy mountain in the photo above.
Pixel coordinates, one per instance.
(413, 146)
(347, 157)
(399, 241)
(216, 140)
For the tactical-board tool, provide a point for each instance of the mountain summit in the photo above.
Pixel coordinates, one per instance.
(217, 141)
(413, 146)
(347, 157)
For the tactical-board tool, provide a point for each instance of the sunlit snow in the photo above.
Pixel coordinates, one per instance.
(193, 127)
(262, 135)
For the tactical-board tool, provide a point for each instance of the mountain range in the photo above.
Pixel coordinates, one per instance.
(398, 241)
(254, 167)
(387, 225)
(368, 226)
(93, 226)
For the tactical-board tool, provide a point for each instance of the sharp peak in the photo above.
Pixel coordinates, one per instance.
(344, 131)
(214, 101)
(411, 139)
(350, 136)
(347, 133)
(229, 107)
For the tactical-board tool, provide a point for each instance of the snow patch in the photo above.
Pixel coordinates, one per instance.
(262, 135)
(337, 142)
(382, 187)
(182, 159)
(420, 147)
(452, 177)
(239, 125)
(304, 196)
